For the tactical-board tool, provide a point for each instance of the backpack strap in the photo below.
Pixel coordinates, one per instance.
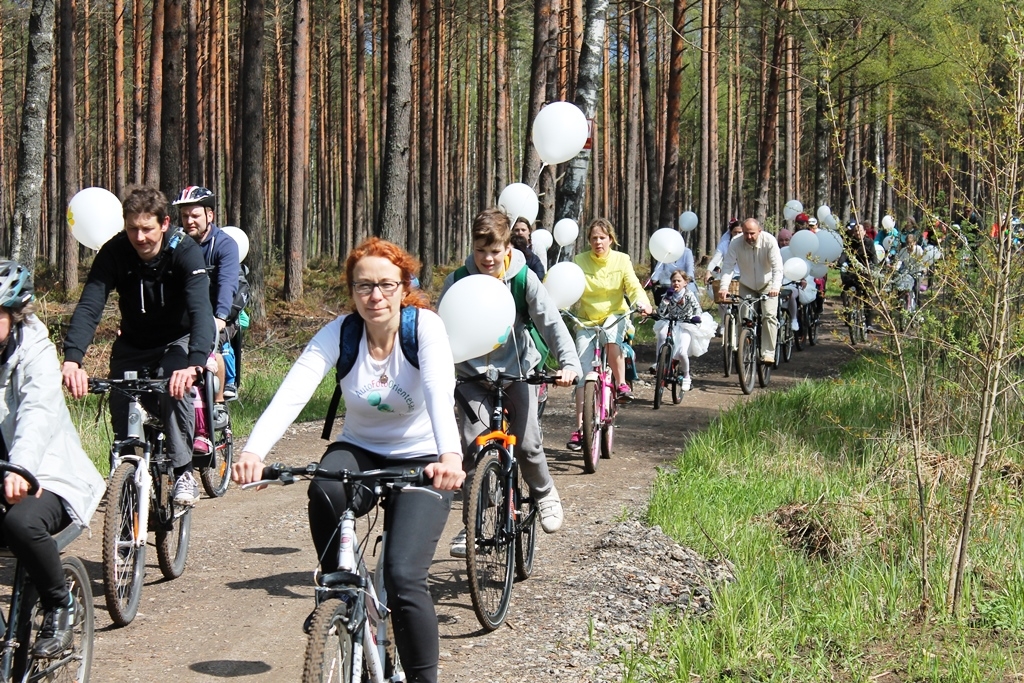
(351, 334)
(519, 291)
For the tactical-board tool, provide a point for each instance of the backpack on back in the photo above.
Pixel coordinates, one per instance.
(351, 335)
(519, 296)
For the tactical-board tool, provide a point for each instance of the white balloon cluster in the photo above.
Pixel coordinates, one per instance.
(810, 253)
(94, 216)
(792, 209)
(825, 217)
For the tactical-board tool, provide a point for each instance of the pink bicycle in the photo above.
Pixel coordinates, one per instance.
(600, 398)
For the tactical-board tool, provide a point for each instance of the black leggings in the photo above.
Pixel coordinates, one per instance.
(414, 522)
(26, 528)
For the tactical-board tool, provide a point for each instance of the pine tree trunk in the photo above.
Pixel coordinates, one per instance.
(360, 209)
(542, 50)
(647, 94)
(391, 221)
(120, 142)
(427, 180)
(192, 125)
(769, 129)
(251, 124)
(670, 176)
(298, 152)
(154, 135)
(32, 146)
(68, 168)
(138, 88)
(502, 174)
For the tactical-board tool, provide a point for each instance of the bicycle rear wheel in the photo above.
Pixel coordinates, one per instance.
(727, 350)
(787, 338)
(662, 372)
(526, 528)
(677, 387)
(591, 426)
(490, 537)
(217, 476)
(172, 544)
(813, 320)
(747, 353)
(330, 645)
(124, 562)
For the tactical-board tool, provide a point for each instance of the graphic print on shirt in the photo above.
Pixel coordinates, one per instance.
(383, 392)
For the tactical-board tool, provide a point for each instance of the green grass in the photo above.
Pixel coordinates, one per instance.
(839, 600)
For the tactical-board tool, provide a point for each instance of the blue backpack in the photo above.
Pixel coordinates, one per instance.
(351, 334)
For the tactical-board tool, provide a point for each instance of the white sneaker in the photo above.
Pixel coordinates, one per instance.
(186, 490)
(550, 507)
(687, 383)
(795, 324)
(768, 359)
(458, 548)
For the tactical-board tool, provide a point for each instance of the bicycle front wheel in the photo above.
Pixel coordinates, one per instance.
(662, 372)
(74, 663)
(727, 350)
(490, 536)
(747, 367)
(172, 544)
(124, 561)
(217, 476)
(764, 370)
(330, 645)
(591, 426)
(526, 529)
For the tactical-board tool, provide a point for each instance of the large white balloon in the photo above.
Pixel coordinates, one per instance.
(518, 200)
(666, 245)
(565, 283)
(888, 242)
(541, 240)
(819, 270)
(688, 221)
(559, 132)
(879, 252)
(830, 222)
(94, 216)
(792, 209)
(830, 245)
(566, 231)
(478, 312)
(888, 222)
(824, 213)
(240, 238)
(795, 269)
(804, 243)
(786, 252)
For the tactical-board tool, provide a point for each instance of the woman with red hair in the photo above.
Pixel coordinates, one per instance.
(397, 414)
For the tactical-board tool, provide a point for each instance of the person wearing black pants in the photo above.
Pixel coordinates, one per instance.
(414, 521)
(27, 528)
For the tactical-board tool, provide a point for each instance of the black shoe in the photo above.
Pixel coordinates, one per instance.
(55, 636)
(230, 392)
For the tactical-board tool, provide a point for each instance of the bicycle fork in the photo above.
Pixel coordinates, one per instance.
(143, 478)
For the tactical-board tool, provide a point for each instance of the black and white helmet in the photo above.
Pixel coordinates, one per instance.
(193, 194)
(15, 285)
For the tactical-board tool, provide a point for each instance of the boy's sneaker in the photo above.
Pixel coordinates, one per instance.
(186, 490)
(768, 359)
(795, 324)
(458, 548)
(201, 446)
(575, 442)
(625, 393)
(687, 383)
(230, 392)
(550, 507)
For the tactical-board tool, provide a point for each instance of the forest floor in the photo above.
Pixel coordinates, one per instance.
(238, 609)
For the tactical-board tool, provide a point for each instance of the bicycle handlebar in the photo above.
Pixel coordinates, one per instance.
(127, 386)
(33, 483)
(632, 309)
(279, 473)
(496, 377)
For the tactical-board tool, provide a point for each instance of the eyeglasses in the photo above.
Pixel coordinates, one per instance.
(386, 287)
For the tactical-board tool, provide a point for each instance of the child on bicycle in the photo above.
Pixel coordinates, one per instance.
(691, 335)
(493, 255)
(36, 433)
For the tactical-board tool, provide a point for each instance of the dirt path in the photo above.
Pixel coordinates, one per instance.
(238, 609)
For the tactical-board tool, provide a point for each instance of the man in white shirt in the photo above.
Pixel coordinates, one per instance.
(760, 264)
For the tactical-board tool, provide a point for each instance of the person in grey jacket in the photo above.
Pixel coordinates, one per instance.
(38, 434)
(493, 255)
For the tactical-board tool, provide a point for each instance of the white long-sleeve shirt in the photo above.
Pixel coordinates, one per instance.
(760, 264)
(410, 414)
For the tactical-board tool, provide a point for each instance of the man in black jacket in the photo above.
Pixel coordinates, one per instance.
(166, 329)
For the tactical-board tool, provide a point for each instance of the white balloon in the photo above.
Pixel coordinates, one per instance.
(879, 252)
(566, 231)
(541, 239)
(824, 213)
(565, 283)
(830, 222)
(830, 245)
(804, 243)
(666, 245)
(819, 270)
(240, 238)
(559, 132)
(688, 221)
(795, 269)
(786, 252)
(518, 200)
(792, 208)
(888, 222)
(478, 312)
(887, 243)
(94, 216)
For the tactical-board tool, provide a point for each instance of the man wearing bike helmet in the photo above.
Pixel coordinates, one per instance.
(166, 325)
(196, 209)
(36, 433)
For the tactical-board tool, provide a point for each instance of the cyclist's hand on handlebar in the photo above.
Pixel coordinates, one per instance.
(16, 488)
(645, 309)
(247, 469)
(566, 377)
(773, 293)
(75, 379)
(446, 473)
(181, 381)
(721, 297)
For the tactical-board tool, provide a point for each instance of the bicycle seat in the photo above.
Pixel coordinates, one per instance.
(64, 537)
